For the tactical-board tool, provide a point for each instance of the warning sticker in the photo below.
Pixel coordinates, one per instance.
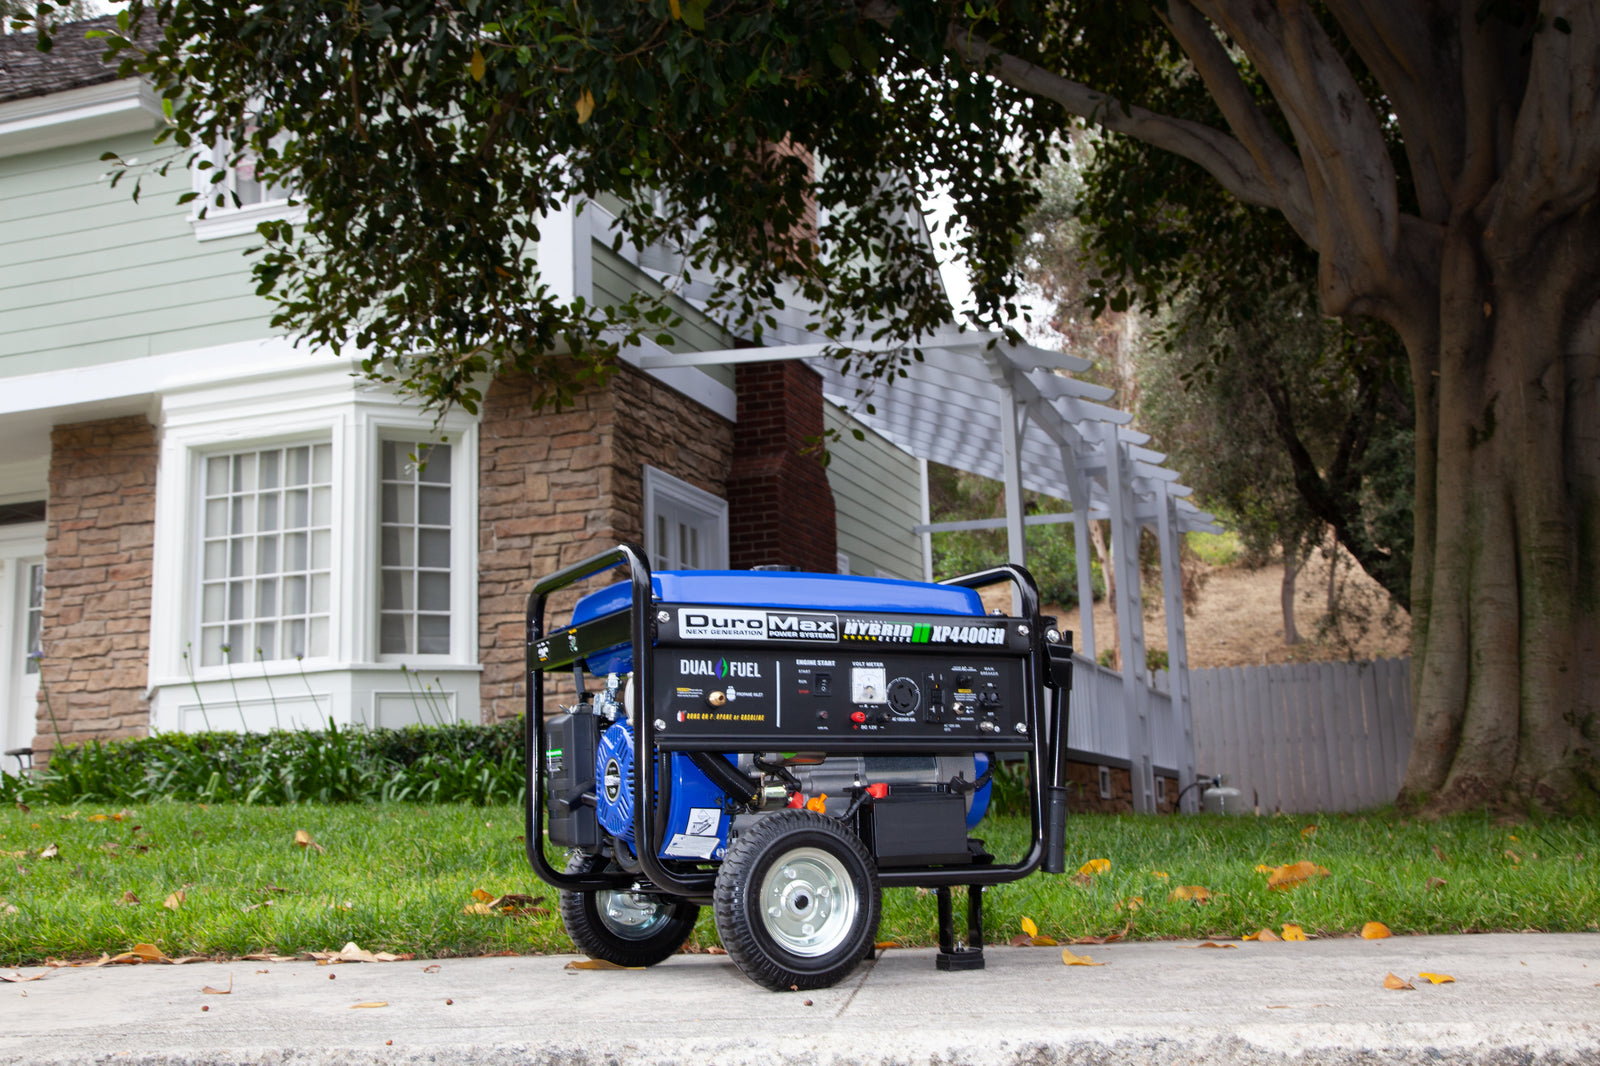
(704, 822)
(684, 846)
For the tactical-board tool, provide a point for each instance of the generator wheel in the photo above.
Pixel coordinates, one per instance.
(797, 901)
(627, 928)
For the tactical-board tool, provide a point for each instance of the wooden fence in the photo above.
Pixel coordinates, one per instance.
(1305, 736)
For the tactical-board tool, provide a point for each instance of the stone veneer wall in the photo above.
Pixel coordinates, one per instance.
(781, 508)
(98, 543)
(557, 487)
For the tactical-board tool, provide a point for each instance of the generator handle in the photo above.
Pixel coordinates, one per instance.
(633, 558)
(1047, 805)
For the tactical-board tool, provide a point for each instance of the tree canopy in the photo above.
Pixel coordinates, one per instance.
(1441, 162)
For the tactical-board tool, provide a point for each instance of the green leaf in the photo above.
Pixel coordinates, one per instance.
(694, 14)
(840, 55)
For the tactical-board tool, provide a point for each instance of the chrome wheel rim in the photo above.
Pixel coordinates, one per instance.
(630, 915)
(808, 902)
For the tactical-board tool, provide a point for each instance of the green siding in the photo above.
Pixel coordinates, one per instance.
(615, 279)
(88, 277)
(878, 497)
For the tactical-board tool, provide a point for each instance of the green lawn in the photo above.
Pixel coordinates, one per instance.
(400, 877)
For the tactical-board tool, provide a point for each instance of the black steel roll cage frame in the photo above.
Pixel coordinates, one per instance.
(1045, 667)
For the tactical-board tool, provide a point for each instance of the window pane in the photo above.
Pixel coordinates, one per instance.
(433, 591)
(433, 634)
(433, 548)
(434, 506)
(414, 548)
(34, 648)
(392, 639)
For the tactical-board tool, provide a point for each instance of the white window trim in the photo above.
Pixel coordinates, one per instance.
(463, 540)
(1105, 782)
(351, 685)
(213, 222)
(662, 486)
(192, 619)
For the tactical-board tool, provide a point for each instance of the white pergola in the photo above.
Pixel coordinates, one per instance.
(982, 404)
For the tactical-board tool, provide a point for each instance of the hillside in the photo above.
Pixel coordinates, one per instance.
(1237, 620)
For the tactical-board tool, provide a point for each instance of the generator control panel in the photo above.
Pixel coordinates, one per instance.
(935, 682)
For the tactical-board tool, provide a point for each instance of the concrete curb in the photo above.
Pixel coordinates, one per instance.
(1525, 999)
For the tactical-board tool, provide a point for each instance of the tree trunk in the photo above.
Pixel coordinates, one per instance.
(1098, 542)
(1506, 639)
(1291, 568)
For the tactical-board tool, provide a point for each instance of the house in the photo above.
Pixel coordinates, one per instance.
(203, 526)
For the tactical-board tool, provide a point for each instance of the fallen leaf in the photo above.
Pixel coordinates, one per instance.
(353, 952)
(882, 945)
(1293, 932)
(481, 896)
(1208, 944)
(17, 978)
(122, 816)
(518, 905)
(1309, 831)
(1513, 856)
(1294, 873)
(264, 956)
(209, 991)
(175, 900)
(303, 839)
(1194, 893)
(598, 964)
(369, 1004)
(431, 968)
(1083, 879)
(1022, 940)
(1433, 978)
(24, 808)
(1044, 942)
(273, 888)
(1029, 927)
(101, 818)
(255, 906)
(1263, 935)
(1132, 903)
(127, 899)
(50, 852)
(714, 950)
(1110, 938)
(1071, 959)
(1159, 873)
(1375, 931)
(1437, 882)
(139, 953)
(1095, 866)
(478, 908)
(1394, 982)
(1439, 854)
(1263, 868)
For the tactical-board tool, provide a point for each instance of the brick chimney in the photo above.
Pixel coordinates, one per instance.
(780, 506)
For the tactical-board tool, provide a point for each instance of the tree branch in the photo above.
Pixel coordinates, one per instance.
(1277, 161)
(1554, 166)
(1223, 157)
(1418, 63)
(1347, 160)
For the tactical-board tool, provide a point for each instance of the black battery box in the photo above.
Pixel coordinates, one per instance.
(569, 751)
(917, 828)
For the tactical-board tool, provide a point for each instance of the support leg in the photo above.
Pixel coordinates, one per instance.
(953, 955)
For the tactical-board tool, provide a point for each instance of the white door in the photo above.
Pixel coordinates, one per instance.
(685, 528)
(21, 614)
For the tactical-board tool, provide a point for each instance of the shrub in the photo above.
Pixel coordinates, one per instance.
(455, 763)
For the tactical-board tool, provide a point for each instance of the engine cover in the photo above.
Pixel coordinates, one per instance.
(613, 772)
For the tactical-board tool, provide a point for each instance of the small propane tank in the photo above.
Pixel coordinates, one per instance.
(1222, 799)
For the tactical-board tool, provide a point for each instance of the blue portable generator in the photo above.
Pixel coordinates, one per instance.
(782, 746)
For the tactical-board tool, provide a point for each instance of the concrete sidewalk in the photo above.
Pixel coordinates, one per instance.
(1516, 999)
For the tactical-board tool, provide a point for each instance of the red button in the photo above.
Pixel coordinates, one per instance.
(858, 716)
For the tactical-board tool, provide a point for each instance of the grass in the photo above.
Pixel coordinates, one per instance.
(1216, 549)
(399, 877)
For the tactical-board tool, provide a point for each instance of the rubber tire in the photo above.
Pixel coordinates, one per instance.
(580, 913)
(742, 924)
